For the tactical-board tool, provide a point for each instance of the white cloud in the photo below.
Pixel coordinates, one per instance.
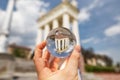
(117, 18)
(91, 39)
(27, 14)
(85, 14)
(15, 39)
(103, 52)
(94, 4)
(113, 30)
(87, 40)
(24, 20)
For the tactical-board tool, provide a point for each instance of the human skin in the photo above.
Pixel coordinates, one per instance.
(47, 70)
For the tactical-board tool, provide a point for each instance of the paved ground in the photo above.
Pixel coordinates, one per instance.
(87, 76)
(26, 76)
(108, 76)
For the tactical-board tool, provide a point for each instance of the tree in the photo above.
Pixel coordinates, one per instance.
(108, 60)
(87, 53)
(118, 65)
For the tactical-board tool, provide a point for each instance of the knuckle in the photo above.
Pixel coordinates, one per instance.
(34, 58)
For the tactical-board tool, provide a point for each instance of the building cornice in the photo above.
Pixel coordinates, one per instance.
(58, 11)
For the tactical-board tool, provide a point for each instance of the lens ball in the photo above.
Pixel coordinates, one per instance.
(60, 42)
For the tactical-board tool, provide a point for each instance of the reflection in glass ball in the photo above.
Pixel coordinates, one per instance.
(60, 42)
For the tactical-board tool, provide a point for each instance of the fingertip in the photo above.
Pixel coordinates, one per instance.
(76, 51)
(73, 60)
(46, 55)
(41, 45)
(78, 48)
(44, 41)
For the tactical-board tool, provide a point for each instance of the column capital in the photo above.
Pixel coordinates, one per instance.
(46, 30)
(75, 30)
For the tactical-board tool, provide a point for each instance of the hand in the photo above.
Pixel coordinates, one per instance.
(47, 70)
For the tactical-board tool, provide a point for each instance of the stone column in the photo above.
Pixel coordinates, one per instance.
(46, 31)
(55, 23)
(75, 30)
(66, 21)
(63, 45)
(39, 36)
(6, 27)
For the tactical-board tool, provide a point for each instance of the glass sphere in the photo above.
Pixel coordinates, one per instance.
(60, 42)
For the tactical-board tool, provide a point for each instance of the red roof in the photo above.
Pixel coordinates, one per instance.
(20, 47)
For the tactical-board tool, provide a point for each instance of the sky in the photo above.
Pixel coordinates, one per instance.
(99, 23)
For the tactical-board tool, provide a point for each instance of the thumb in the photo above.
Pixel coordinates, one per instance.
(73, 60)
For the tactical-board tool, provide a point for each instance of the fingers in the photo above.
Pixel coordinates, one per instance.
(39, 62)
(46, 57)
(55, 64)
(73, 60)
(39, 48)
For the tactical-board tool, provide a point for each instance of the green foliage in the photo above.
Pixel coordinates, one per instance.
(19, 53)
(89, 68)
(118, 65)
(88, 54)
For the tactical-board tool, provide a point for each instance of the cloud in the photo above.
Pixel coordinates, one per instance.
(85, 14)
(113, 30)
(103, 52)
(25, 20)
(117, 18)
(24, 29)
(15, 39)
(91, 39)
(87, 40)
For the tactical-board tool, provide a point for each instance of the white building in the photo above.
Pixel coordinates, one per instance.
(63, 15)
(61, 44)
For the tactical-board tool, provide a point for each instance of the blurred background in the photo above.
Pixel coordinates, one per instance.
(99, 32)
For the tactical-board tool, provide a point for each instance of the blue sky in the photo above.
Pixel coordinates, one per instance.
(99, 23)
